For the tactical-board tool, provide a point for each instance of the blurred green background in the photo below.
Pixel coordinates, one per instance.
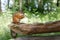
(38, 11)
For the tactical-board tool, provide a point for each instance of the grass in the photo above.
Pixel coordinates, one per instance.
(6, 18)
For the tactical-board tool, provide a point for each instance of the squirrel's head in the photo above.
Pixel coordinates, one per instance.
(20, 15)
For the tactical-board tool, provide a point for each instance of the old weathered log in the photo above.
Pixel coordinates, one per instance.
(23, 28)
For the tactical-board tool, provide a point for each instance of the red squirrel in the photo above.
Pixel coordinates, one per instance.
(17, 17)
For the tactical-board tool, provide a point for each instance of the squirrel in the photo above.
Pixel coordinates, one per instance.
(17, 17)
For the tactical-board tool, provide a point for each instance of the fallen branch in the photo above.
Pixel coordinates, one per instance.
(36, 28)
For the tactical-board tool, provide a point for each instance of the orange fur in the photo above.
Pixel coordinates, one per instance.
(17, 17)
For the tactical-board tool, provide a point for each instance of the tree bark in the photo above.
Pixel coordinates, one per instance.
(0, 7)
(57, 3)
(36, 28)
(8, 3)
(40, 6)
(27, 4)
(20, 5)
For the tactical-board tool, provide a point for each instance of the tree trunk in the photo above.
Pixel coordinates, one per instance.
(27, 4)
(57, 3)
(0, 7)
(20, 5)
(8, 3)
(40, 6)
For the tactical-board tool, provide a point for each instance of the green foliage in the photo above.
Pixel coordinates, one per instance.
(33, 16)
(44, 7)
(5, 19)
